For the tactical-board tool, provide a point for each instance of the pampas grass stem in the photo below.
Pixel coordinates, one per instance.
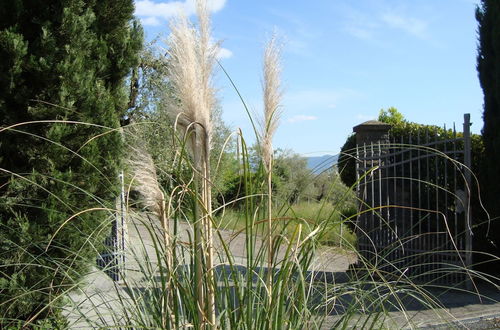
(272, 112)
(192, 58)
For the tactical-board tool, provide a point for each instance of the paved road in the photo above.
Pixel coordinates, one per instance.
(99, 299)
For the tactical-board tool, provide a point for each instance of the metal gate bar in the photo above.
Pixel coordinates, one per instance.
(415, 211)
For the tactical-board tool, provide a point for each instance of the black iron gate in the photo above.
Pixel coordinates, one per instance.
(112, 261)
(415, 208)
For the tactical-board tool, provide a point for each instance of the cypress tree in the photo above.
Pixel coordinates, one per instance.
(488, 67)
(60, 61)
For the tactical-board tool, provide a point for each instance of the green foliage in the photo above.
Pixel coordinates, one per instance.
(66, 61)
(151, 92)
(347, 161)
(391, 116)
(292, 181)
(335, 232)
(488, 67)
(298, 194)
(235, 188)
(311, 215)
(223, 158)
(291, 177)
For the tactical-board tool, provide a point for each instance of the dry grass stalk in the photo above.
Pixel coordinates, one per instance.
(272, 93)
(146, 183)
(192, 59)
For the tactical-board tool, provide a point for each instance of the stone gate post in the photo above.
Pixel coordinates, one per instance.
(372, 131)
(372, 139)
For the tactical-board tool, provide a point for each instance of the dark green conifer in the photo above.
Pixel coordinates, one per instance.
(488, 67)
(60, 61)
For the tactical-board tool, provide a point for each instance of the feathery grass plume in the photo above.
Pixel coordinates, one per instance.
(191, 62)
(272, 93)
(145, 181)
(192, 58)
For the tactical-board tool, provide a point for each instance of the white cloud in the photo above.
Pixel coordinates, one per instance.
(299, 118)
(411, 25)
(166, 10)
(159, 9)
(367, 26)
(150, 21)
(213, 5)
(224, 53)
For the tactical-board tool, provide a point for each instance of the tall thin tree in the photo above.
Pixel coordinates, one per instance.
(488, 67)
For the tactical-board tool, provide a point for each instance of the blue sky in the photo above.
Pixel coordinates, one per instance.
(343, 61)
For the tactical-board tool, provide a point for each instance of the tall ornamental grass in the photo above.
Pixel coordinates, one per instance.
(272, 95)
(191, 61)
(158, 292)
(180, 270)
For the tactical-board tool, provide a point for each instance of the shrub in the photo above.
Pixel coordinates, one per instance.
(62, 62)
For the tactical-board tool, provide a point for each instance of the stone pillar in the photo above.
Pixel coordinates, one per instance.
(372, 131)
(372, 140)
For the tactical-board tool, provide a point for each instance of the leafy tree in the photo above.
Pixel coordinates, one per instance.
(391, 116)
(488, 67)
(329, 186)
(295, 182)
(292, 177)
(150, 90)
(65, 61)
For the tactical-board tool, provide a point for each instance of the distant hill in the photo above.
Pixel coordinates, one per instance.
(320, 163)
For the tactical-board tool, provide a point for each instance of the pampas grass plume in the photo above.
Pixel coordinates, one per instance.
(273, 93)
